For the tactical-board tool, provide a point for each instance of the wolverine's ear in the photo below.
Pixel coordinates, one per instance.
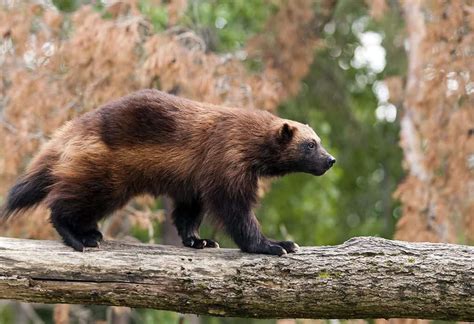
(285, 133)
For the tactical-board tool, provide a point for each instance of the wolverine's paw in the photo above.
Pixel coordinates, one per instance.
(289, 246)
(90, 242)
(275, 250)
(92, 238)
(198, 243)
(268, 248)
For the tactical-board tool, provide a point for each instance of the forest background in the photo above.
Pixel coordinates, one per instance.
(386, 84)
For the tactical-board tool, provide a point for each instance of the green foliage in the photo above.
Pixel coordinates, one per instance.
(148, 316)
(158, 15)
(218, 320)
(226, 25)
(66, 5)
(141, 234)
(72, 5)
(6, 314)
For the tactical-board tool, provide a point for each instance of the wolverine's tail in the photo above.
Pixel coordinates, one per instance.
(29, 190)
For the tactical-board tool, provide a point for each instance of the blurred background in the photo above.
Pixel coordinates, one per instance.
(388, 85)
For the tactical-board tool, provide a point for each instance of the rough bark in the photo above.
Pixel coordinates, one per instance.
(362, 278)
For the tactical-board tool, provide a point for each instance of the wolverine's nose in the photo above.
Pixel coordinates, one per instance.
(331, 161)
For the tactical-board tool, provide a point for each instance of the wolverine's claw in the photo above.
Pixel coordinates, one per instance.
(212, 244)
(198, 243)
(289, 246)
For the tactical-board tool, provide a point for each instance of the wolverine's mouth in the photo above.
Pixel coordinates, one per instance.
(320, 172)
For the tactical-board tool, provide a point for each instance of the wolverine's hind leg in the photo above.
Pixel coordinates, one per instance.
(76, 225)
(187, 217)
(64, 229)
(77, 204)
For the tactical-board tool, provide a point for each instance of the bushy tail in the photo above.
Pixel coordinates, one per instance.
(29, 190)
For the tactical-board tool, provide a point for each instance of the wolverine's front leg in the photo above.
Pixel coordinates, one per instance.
(242, 225)
(187, 217)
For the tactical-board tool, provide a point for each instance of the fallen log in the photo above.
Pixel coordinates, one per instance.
(365, 277)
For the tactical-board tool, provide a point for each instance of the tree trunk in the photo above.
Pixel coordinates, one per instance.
(362, 278)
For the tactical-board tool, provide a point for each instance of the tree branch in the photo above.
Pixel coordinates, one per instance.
(362, 278)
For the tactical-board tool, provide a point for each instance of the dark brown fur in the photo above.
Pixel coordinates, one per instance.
(206, 158)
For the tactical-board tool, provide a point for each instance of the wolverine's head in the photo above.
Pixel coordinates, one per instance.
(295, 147)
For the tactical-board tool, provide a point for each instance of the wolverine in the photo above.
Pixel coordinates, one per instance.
(206, 158)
